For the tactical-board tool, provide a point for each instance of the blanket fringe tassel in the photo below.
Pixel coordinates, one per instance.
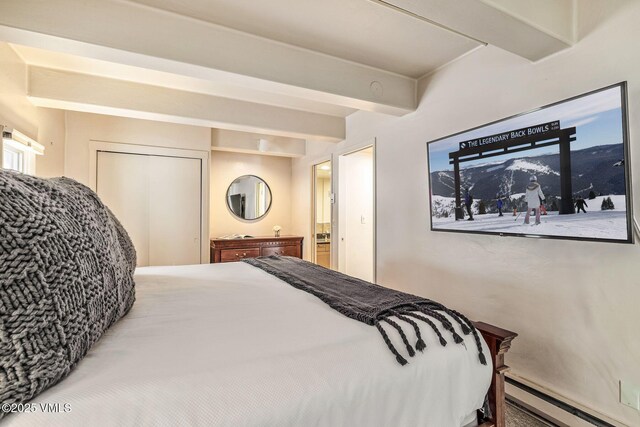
(425, 313)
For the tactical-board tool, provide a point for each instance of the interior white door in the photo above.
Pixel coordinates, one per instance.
(123, 185)
(174, 202)
(356, 214)
(158, 201)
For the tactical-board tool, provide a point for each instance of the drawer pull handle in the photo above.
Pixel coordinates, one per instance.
(244, 254)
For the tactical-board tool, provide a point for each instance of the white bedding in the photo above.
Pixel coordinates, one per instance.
(230, 345)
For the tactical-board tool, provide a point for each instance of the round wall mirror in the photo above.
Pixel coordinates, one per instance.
(249, 197)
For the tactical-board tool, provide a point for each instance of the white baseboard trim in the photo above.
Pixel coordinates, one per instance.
(550, 411)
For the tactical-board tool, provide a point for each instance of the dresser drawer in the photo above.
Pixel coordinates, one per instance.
(282, 250)
(229, 255)
(228, 250)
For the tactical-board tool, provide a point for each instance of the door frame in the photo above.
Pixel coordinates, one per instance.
(335, 172)
(314, 208)
(96, 146)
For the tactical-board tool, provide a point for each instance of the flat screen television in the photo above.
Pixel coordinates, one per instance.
(561, 171)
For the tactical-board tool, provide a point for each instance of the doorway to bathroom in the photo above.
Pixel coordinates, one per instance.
(322, 201)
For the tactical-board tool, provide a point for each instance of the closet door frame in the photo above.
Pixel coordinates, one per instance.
(96, 147)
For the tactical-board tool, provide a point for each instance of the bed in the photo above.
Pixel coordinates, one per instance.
(231, 345)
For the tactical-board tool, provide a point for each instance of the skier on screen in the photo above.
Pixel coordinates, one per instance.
(580, 204)
(543, 208)
(534, 196)
(468, 202)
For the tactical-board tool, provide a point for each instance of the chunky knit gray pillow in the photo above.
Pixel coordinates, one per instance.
(66, 276)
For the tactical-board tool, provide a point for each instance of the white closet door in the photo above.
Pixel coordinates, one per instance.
(174, 220)
(122, 184)
(158, 201)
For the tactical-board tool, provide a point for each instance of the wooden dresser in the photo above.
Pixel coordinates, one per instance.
(228, 250)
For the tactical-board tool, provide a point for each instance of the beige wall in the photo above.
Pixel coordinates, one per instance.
(85, 127)
(275, 171)
(15, 109)
(42, 124)
(52, 135)
(225, 167)
(574, 304)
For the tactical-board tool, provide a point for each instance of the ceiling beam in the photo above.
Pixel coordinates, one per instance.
(137, 35)
(245, 142)
(83, 65)
(511, 25)
(87, 93)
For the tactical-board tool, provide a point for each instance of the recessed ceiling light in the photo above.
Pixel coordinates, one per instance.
(325, 167)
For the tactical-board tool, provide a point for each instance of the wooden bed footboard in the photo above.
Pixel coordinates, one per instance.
(499, 342)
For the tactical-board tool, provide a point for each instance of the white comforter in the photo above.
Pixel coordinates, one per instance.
(230, 345)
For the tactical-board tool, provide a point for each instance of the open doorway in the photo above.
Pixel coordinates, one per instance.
(322, 214)
(356, 216)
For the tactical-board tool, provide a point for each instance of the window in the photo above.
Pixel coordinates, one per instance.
(13, 158)
(19, 151)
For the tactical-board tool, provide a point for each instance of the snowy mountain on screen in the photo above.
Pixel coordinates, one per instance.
(591, 169)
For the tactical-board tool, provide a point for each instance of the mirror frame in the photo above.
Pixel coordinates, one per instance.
(245, 219)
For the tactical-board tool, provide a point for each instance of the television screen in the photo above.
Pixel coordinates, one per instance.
(560, 171)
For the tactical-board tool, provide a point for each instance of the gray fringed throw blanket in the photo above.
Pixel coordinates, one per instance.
(66, 275)
(370, 303)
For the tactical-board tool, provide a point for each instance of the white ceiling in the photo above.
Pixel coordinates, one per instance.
(293, 68)
(357, 30)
